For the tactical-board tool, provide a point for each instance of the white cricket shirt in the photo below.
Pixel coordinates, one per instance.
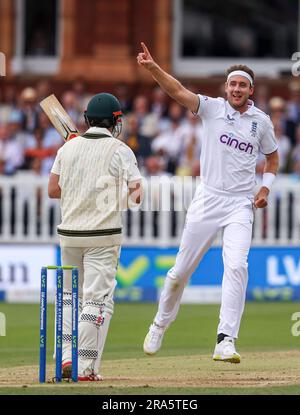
(231, 143)
(85, 165)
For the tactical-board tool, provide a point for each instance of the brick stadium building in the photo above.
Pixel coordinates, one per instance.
(94, 39)
(98, 41)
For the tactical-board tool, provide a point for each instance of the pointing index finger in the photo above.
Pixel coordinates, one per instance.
(145, 49)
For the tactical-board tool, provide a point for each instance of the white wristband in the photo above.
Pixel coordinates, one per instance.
(268, 179)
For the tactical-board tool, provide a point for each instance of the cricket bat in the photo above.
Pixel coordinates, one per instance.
(59, 117)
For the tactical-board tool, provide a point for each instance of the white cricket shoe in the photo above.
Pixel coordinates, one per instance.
(225, 351)
(154, 338)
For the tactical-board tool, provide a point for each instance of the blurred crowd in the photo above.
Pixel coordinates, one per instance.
(165, 138)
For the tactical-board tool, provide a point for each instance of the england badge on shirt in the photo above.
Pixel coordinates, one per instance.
(253, 131)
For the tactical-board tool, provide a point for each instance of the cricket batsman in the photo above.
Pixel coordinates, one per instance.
(234, 132)
(95, 176)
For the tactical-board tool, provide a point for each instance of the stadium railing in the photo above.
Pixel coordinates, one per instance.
(27, 215)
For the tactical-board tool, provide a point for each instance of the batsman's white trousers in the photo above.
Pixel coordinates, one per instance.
(97, 269)
(210, 211)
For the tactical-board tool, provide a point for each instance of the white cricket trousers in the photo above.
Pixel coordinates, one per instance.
(97, 267)
(210, 211)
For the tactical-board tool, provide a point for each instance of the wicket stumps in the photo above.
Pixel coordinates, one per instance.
(59, 321)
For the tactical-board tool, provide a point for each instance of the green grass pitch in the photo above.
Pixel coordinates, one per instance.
(270, 353)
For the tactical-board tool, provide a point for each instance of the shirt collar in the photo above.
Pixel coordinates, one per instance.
(250, 111)
(99, 130)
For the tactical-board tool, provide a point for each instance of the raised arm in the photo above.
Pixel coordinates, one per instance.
(169, 84)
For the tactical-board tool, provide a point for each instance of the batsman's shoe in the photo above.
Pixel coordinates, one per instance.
(67, 370)
(154, 338)
(90, 378)
(225, 351)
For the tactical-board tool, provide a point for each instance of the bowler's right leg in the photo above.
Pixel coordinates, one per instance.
(196, 239)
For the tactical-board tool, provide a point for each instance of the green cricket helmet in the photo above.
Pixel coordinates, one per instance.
(104, 110)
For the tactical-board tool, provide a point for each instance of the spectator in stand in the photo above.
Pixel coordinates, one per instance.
(36, 166)
(7, 103)
(82, 95)
(10, 95)
(189, 155)
(43, 89)
(196, 171)
(159, 104)
(52, 141)
(122, 92)
(30, 109)
(139, 144)
(155, 166)
(71, 105)
(11, 151)
(295, 156)
(277, 108)
(147, 122)
(3, 134)
(262, 97)
(293, 104)
(169, 144)
(146, 130)
(296, 170)
(35, 152)
(160, 107)
(284, 147)
(16, 131)
(2, 164)
(221, 91)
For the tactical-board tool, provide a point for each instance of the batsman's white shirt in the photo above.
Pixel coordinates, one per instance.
(231, 143)
(85, 166)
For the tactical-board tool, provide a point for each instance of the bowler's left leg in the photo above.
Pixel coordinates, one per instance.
(236, 244)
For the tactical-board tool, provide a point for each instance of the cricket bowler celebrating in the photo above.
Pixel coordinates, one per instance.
(234, 131)
(90, 175)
